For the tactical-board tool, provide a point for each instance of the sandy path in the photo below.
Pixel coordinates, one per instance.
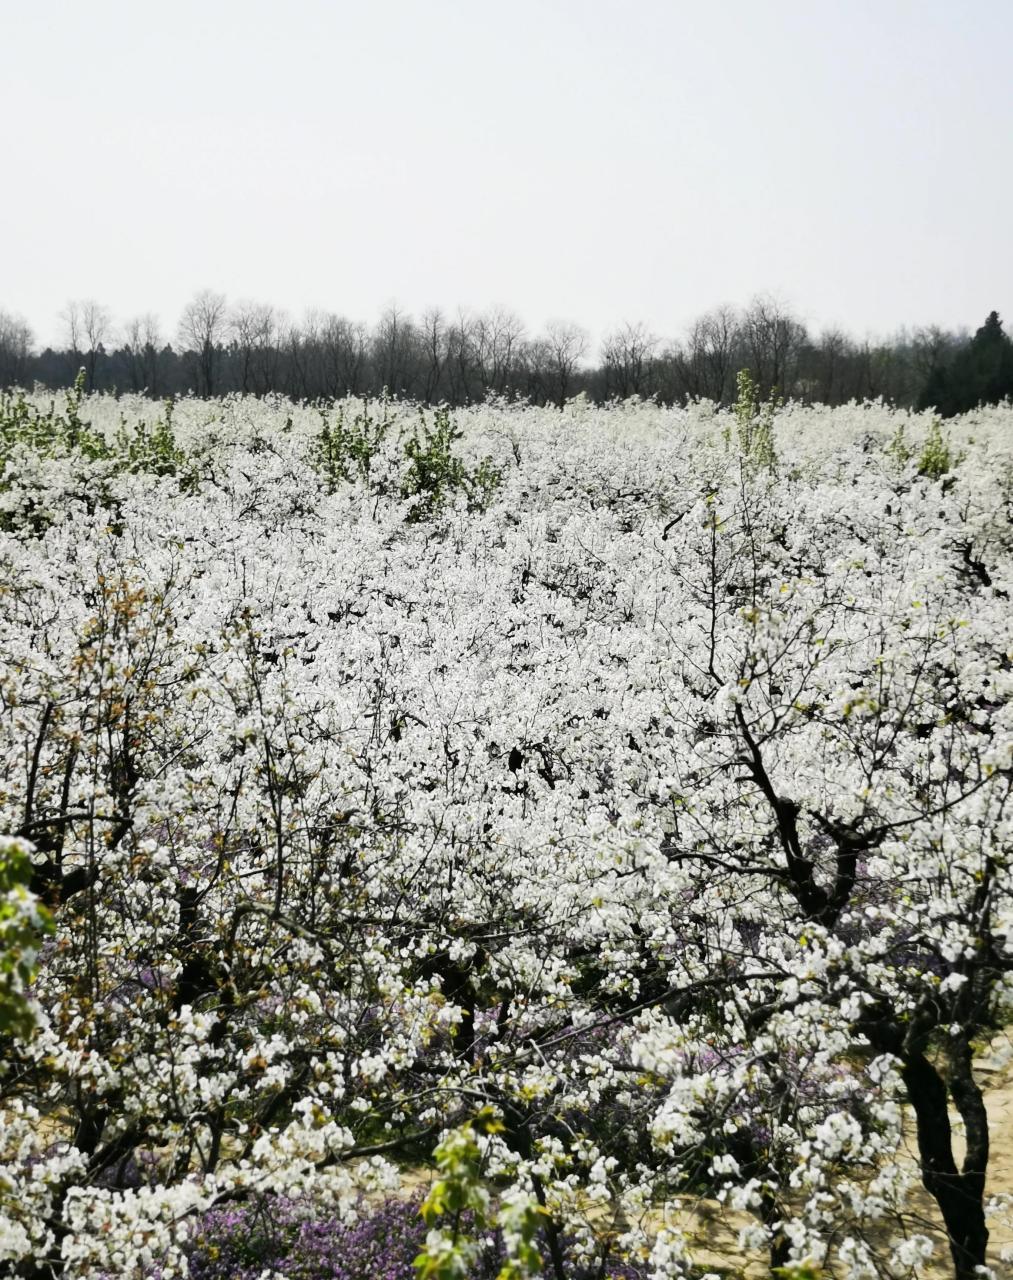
(997, 1082)
(715, 1229)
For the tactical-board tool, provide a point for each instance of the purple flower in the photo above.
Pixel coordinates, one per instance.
(238, 1242)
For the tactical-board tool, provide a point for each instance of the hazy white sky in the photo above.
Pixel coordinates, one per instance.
(582, 159)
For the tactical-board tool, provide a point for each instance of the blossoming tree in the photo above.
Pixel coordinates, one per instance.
(637, 780)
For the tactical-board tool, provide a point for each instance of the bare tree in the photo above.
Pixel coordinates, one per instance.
(433, 340)
(344, 353)
(566, 345)
(532, 375)
(627, 354)
(88, 326)
(881, 371)
(73, 329)
(395, 344)
(462, 356)
(255, 332)
(141, 339)
(16, 342)
(312, 356)
(830, 355)
(202, 330)
(774, 340)
(932, 348)
(711, 349)
(462, 362)
(498, 335)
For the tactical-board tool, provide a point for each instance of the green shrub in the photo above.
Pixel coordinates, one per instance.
(23, 922)
(154, 451)
(899, 450)
(435, 474)
(343, 452)
(755, 424)
(52, 433)
(936, 457)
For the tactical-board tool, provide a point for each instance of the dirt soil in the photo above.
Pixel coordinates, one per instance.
(716, 1229)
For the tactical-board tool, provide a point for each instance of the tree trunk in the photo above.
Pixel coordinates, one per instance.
(959, 1193)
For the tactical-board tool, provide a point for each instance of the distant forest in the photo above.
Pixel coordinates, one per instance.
(249, 347)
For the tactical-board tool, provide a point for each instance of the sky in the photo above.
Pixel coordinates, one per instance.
(588, 160)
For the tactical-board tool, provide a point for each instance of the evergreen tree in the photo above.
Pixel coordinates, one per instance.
(992, 359)
(980, 373)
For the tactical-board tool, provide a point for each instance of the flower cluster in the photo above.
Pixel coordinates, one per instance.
(639, 776)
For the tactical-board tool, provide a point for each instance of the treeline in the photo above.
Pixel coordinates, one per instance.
(253, 348)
